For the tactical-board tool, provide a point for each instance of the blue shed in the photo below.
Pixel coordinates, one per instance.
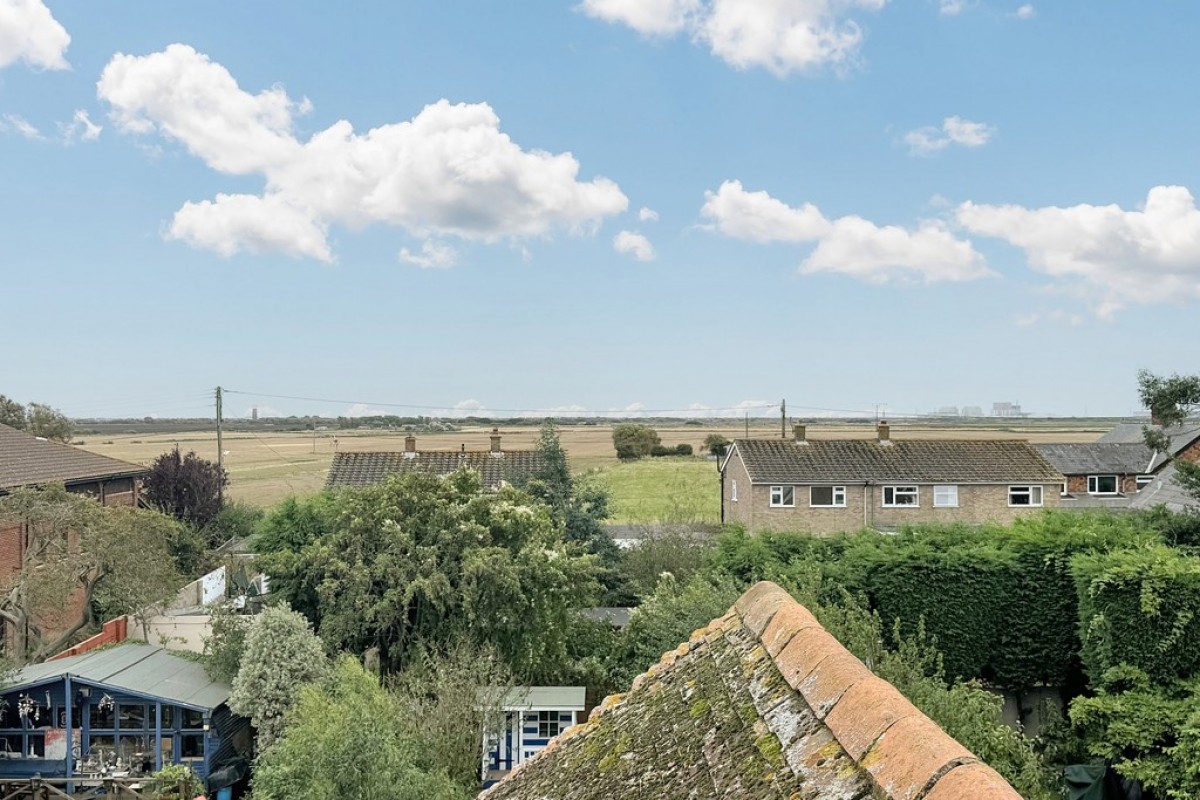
(130, 709)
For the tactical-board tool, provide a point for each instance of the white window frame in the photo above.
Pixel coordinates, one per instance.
(945, 489)
(1094, 483)
(777, 494)
(838, 495)
(733, 491)
(906, 490)
(1032, 491)
(1143, 481)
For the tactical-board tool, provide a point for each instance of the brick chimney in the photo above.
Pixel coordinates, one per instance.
(495, 440)
(885, 433)
(410, 444)
(798, 433)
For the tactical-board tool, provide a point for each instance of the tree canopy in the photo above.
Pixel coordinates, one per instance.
(36, 418)
(634, 440)
(1171, 400)
(187, 487)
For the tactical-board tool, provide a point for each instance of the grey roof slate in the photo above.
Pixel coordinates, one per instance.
(909, 461)
(1093, 458)
(1164, 491)
(27, 460)
(367, 469)
(1180, 437)
(143, 669)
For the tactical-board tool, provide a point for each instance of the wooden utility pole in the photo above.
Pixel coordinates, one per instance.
(220, 444)
(783, 418)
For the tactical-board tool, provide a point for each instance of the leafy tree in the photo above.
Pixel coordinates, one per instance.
(633, 440)
(420, 559)
(187, 487)
(81, 557)
(671, 549)
(347, 738)
(233, 521)
(281, 655)
(716, 444)
(36, 418)
(283, 535)
(1171, 401)
(225, 645)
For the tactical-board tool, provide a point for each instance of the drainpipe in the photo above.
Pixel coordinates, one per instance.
(868, 496)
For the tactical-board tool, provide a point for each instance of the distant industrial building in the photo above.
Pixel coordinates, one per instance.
(1006, 409)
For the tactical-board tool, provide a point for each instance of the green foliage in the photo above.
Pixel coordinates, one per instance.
(281, 655)
(282, 536)
(716, 444)
(223, 648)
(36, 418)
(1171, 401)
(233, 521)
(346, 738)
(175, 782)
(1149, 732)
(420, 559)
(671, 490)
(666, 549)
(633, 440)
(187, 487)
(1140, 608)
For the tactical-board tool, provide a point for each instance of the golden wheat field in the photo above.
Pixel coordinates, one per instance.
(266, 466)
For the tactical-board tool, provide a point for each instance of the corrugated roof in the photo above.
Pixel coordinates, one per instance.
(761, 703)
(141, 669)
(367, 469)
(27, 460)
(1093, 458)
(909, 461)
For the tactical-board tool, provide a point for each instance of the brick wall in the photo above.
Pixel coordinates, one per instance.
(114, 631)
(1078, 484)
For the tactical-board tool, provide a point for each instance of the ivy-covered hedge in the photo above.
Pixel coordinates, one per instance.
(1141, 608)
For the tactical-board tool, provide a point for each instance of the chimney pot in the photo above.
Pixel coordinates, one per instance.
(495, 440)
(410, 444)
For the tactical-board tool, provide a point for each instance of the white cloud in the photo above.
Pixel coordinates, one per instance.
(80, 128)
(648, 215)
(634, 244)
(1026, 320)
(30, 33)
(954, 130)
(433, 255)
(1109, 256)
(951, 8)
(781, 36)
(449, 171)
(20, 126)
(848, 245)
(364, 410)
(1026, 12)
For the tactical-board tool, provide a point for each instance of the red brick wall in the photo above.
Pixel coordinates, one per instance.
(114, 631)
(1078, 484)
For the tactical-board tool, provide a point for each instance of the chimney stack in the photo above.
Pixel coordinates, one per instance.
(495, 440)
(885, 434)
(798, 432)
(410, 444)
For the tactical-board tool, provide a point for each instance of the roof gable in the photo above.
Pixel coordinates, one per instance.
(761, 703)
(27, 460)
(367, 469)
(910, 461)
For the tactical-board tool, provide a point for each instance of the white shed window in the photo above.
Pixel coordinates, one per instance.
(827, 496)
(1024, 495)
(945, 496)
(783, 496)
(899, 496)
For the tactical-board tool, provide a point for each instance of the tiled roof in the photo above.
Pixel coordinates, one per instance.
(26, 460)
(1164, 491)
(761, 703)
(1180, 437)
(1092, 458)
(367, 469)
(910, 461)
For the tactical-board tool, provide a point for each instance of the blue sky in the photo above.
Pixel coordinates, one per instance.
(675, 205)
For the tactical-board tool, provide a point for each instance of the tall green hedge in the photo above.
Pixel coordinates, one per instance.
(1142, 608)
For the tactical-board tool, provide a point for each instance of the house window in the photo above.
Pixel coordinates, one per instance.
(1144, 480)
(1024, 495)
(1102, 484)
(191, 745)
(945, 496)
(827, 496)
(733, 492)
(783, 496)
(548, 724)
(899, 496)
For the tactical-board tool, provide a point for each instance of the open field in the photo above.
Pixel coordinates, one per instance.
(265, 467)
(681, 490)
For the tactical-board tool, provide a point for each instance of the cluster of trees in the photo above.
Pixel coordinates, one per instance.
(36, 418)
(634, 440)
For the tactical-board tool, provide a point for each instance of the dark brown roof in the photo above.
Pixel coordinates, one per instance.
(909, 461)
(761, 703)
(27, 460)
(367, 469)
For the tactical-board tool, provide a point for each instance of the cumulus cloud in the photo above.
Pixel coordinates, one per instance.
(80, 128)
(954, 130)
(17, 124)
(433, 255)
(449, 171)
(634, 244)
(648, 215)
(951, 8)
(1026, 12)
(847, 245)
(1106, 254)
(30, 33)
(781, 36)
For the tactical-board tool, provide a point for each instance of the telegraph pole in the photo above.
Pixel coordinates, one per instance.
(220, 445)
(783, 418)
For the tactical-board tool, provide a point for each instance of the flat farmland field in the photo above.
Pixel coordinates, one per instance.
(266, 466)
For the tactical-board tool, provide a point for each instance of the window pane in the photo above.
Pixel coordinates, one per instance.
(191, 746)
(100, 717)
(133, 717)
(789, 495)
(821, 495)
(192, 719)
(168, 718)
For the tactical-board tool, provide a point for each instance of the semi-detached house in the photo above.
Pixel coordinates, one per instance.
(826, 486)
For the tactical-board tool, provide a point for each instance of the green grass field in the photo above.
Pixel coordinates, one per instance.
(680, 490)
